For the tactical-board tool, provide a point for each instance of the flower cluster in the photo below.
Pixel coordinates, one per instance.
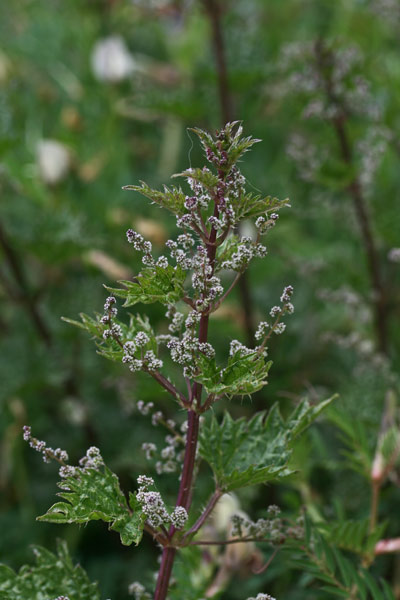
(265, 329)
(92, 459)
(307, 156)
(136, 358)
(261, 596)
(172, 454)
(141, 245)
(185, 350)
(273, 528)
(154, 507)
(237, 347)
(110, 310)
(180, 250)
(266, 222)
(310, 65)
(371, 150)
(139, 591)
(40, 446)
(245, 251)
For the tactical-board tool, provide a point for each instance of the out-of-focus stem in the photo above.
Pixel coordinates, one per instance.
(25, 295)
(379, 300)
(376, 488)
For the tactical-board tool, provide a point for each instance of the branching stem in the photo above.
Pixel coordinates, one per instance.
(205, 514)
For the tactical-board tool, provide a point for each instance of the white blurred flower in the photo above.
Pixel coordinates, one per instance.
(394, 255)
(54, 161)
(111, 60)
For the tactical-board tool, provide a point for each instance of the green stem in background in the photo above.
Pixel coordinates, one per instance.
(25, 296)
(376, 488)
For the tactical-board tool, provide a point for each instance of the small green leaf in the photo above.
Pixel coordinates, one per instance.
(153, 284)
(87, 323)
(172, 199)
(251, 205)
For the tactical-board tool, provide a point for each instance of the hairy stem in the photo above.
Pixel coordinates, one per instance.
(185, 486)
(205, 514)
(167, 385)
(213, 11)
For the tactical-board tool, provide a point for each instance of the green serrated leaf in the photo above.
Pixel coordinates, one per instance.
(153, 284)
(352, 535)
(251, 205)
(173, 199)
(53, 575)
(243, 453)
(94, 494)
(87, 323)
(242, 376)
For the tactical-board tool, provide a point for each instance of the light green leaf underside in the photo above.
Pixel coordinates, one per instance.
(242, 375)
(53, 575)
(96, 494)
(172, 198)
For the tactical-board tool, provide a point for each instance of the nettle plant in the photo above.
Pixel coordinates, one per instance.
(188, 281)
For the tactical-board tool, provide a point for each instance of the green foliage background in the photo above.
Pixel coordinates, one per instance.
(136, 129)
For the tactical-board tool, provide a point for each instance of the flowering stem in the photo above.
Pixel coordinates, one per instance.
(184, 493)
(213, 10)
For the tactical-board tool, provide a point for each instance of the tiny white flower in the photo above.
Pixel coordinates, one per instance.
(111, 60)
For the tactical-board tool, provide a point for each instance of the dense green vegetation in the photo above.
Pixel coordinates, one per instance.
(318, 82)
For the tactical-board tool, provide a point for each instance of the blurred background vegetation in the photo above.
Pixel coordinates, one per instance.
(97, 94)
